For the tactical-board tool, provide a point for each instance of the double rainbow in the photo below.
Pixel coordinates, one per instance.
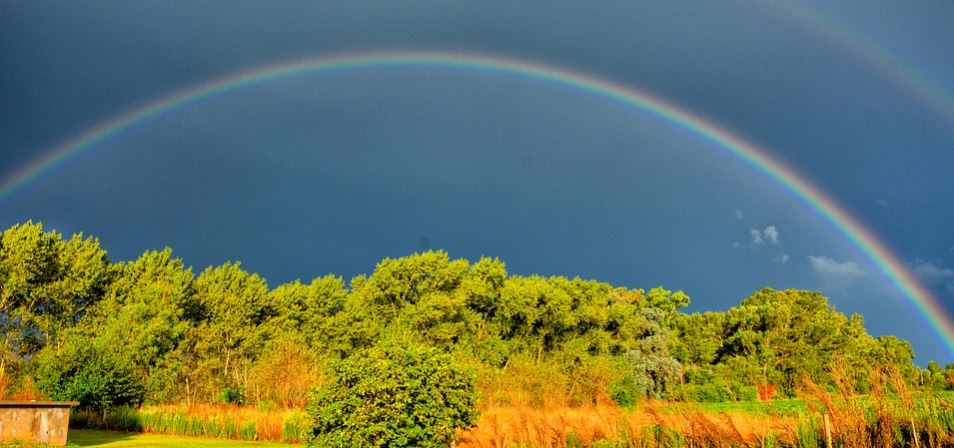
(890, 266)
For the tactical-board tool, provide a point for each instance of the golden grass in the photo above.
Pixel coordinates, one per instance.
(552, 427)
(269, 424)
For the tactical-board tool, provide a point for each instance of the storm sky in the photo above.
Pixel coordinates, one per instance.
(330, 172)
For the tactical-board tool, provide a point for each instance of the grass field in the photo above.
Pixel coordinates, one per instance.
(112, 439)
(858, 421)
(775, 407)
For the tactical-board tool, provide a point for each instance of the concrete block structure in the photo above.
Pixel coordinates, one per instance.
(41, 421)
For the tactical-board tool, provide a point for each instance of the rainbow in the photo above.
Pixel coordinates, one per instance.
(839, 34)
(900, 277)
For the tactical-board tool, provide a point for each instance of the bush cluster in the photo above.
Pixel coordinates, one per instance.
(395, 397)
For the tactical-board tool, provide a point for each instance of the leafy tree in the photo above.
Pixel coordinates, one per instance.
(234, 328)
(949, 376)
(395, 397)
(148, 311)
(308, 310)
(151, 325)
(46, 286)
(651, 371)
(773, 337)
(481, 285)
(401, 281)
(99, 378)
(891, 351)
(933, 376)
(666, 301)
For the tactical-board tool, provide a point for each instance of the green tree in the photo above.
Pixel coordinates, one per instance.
(773, 337)
(308, 310)
(235, 325)
(46, 286)
(425, 282)
(666, 301)
(148, 311)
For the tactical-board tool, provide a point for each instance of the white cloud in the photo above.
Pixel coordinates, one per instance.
(832, 269)
(881, 203)
(782, 259)
(933, 274)
(768, 236)
(738, 215)
(757, 237)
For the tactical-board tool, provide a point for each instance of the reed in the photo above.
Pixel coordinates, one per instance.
(888, 415)
(218, 421)
(607, 425)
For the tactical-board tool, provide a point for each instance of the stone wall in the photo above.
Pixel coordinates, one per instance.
(42, 421)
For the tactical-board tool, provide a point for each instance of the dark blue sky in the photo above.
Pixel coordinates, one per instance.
(332, 172)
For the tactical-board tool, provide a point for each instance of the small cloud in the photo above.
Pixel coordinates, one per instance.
(768, 236)
(737, 244)
(757, 237)
(782, 259)
(832, 269)
(934, 274)
(881, 203)
(738, 215)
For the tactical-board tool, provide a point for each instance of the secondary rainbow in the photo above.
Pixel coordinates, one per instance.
(889, 265)
(840, 34)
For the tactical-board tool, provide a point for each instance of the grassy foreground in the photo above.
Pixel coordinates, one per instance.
(897, 418)
(113, 439)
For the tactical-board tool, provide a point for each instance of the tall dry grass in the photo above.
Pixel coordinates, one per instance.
(26, 390)
(529, 382)
(647, 426)
(890, 414)
(219, 421)
(521, 408)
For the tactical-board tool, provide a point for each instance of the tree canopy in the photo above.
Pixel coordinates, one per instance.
(166, 335)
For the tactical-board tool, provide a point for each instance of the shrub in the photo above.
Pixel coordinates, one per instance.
(742, 392)
(99, 379)
(230, 395)
(393, 396)
(706, 393)
(625, 392)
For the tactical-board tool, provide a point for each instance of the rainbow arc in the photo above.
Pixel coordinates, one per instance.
(900, 277)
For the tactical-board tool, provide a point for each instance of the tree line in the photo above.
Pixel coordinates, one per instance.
(77, 325)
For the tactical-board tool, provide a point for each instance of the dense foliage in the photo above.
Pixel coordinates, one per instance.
(395, 397)
(166, 335)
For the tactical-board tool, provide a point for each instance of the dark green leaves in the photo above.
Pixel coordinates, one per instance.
(396, 397)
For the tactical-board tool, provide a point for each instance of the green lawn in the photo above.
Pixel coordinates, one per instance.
(775, 407)
(111, 439)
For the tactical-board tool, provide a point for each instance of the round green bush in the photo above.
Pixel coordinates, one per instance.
(395, 397)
